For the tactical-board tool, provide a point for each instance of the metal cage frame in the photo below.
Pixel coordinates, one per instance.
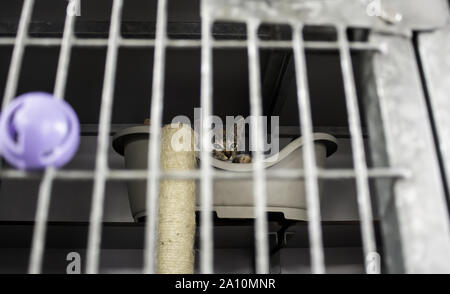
(412, 203)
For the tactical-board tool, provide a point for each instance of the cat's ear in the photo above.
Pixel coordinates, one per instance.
(216, 132)
(237, 133)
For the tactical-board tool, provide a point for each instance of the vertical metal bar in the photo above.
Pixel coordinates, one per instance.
(257, 135)
(101, 168)
(19, 48)
(40, 227)
(64, 57)
(359, 158)
(206, 232)
(38, 243)
(309, 156)
(155, 133)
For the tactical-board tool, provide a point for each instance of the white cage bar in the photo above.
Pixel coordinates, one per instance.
(359, 158)
(101, 165)
(206, 234)
(154, 148)
(38, 245)
(311, 175)
(259, 174)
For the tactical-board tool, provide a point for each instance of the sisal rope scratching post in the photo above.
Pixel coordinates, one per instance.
(176, 203)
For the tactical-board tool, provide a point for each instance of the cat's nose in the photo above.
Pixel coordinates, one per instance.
(227, 154)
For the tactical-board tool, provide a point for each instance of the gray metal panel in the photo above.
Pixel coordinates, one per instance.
(435, 54)
(416, 14)
(419, 202)
(393, 256)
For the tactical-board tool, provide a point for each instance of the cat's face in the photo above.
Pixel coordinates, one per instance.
(225, 144)
(228, 144)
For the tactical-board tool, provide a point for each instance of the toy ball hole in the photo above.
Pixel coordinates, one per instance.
(217, 147)
(14, 135)
(47, 153)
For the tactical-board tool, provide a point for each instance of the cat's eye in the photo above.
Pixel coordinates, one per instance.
(233, 146)
(217, 146)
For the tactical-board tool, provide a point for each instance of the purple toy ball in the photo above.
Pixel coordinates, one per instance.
(38, 131)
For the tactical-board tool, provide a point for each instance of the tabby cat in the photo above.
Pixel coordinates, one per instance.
(222, 152)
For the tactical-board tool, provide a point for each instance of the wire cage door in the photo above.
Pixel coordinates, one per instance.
(411, 196)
